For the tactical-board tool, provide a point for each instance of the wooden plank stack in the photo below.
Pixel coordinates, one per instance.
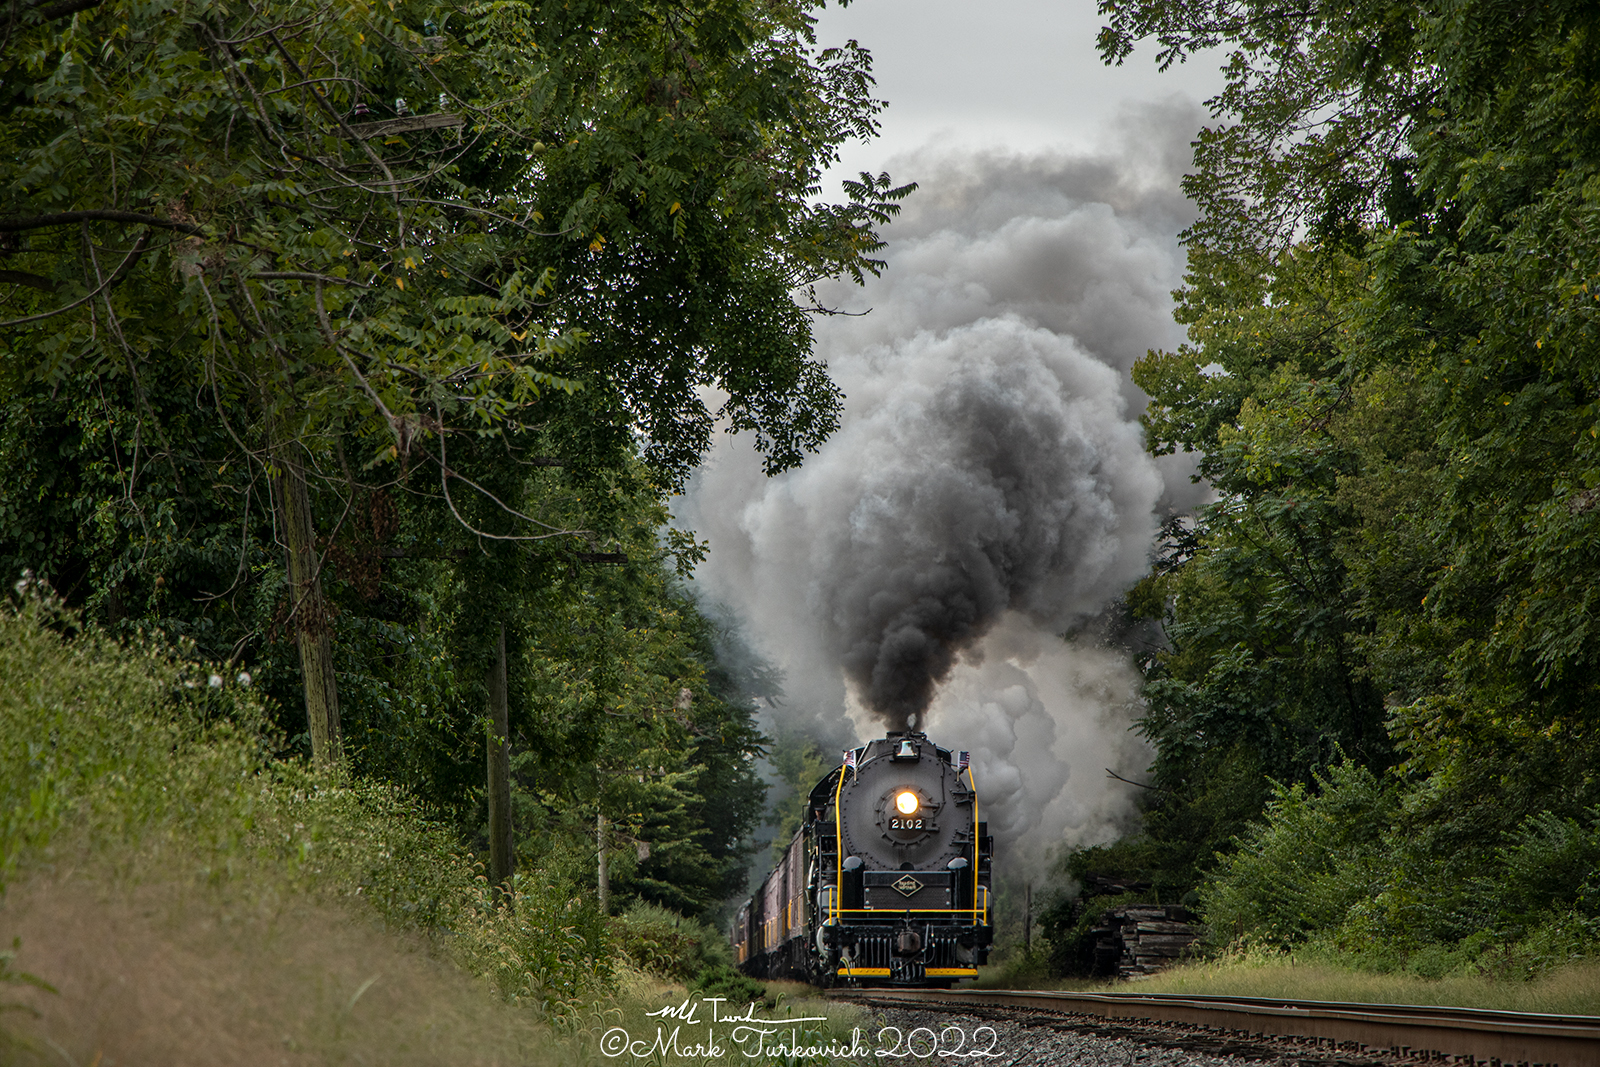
(1136, 940)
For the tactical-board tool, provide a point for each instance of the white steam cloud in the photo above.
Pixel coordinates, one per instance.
(988, 488)
(1042, 721)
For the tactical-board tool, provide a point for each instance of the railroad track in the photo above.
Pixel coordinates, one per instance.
(1414, 1031)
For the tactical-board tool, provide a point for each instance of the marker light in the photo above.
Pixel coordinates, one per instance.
(906, 802)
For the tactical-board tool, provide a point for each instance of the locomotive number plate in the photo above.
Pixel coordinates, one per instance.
(906, 824)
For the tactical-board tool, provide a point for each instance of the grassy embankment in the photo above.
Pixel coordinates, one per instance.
(1570, 990)
(173, 896)
(1316, 974)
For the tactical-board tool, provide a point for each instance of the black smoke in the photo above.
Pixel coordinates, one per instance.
(989, 481)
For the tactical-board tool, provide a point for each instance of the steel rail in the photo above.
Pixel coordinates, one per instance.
(1507, 1036)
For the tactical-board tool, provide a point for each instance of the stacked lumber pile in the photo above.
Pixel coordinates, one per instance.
(1135, 941)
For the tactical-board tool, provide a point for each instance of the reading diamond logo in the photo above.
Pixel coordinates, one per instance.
(907, 886)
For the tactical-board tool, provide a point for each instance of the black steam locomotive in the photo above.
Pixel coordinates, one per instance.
(887, 880)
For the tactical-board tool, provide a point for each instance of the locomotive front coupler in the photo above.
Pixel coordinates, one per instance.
(908, 941)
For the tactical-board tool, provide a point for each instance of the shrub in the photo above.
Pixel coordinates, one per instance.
(1316, 855)
(665, 943)
(1550, 863)
(122, 744)
(721, 980)
(1338, 866)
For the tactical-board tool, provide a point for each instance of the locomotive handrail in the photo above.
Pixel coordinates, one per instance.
(977, 842)
(914, 911)
(838, 835)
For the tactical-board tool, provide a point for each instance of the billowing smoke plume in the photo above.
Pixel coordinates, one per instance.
(982, 469)
(988, 488)
(1043, 720)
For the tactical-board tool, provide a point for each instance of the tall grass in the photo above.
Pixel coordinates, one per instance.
(1573, 989)
(133, 778)
(179, 972)
(180, 898)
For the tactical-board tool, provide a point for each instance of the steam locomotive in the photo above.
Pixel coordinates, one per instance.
(887, 880)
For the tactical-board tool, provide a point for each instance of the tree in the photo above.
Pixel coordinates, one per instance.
(1264, 675)
(252, 240)
(333, 227)
(1392, 315)
(626, 718)
(682, 190)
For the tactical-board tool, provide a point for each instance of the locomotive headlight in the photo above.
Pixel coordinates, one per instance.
(906, 802)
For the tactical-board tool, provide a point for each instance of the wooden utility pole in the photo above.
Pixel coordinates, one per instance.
(308, 609)
(1027, 917)
(604, 874)
(502, 855)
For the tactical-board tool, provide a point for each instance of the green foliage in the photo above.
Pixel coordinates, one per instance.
(1316, 855)
(1183, 823)
(549, 948)
(799, 764)
(134, 759)
(664, 943)
(82, 744)
(624, 711)
(721, 980)
(1392, 304)
(1261, 656)
(1334, 867)
(280, 259)
(424, 303)
(1551, 862)
(378, 287)
(478, 334)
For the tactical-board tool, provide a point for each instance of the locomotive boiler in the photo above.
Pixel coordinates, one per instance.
(886, 882)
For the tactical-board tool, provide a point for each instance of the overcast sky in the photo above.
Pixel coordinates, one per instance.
(1014, 74)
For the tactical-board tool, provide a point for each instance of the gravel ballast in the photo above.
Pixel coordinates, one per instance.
(1025, 1038)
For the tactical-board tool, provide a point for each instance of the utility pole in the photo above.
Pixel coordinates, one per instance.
(308, 608)
(605, 875)
(1027, 918)
(502, 856)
